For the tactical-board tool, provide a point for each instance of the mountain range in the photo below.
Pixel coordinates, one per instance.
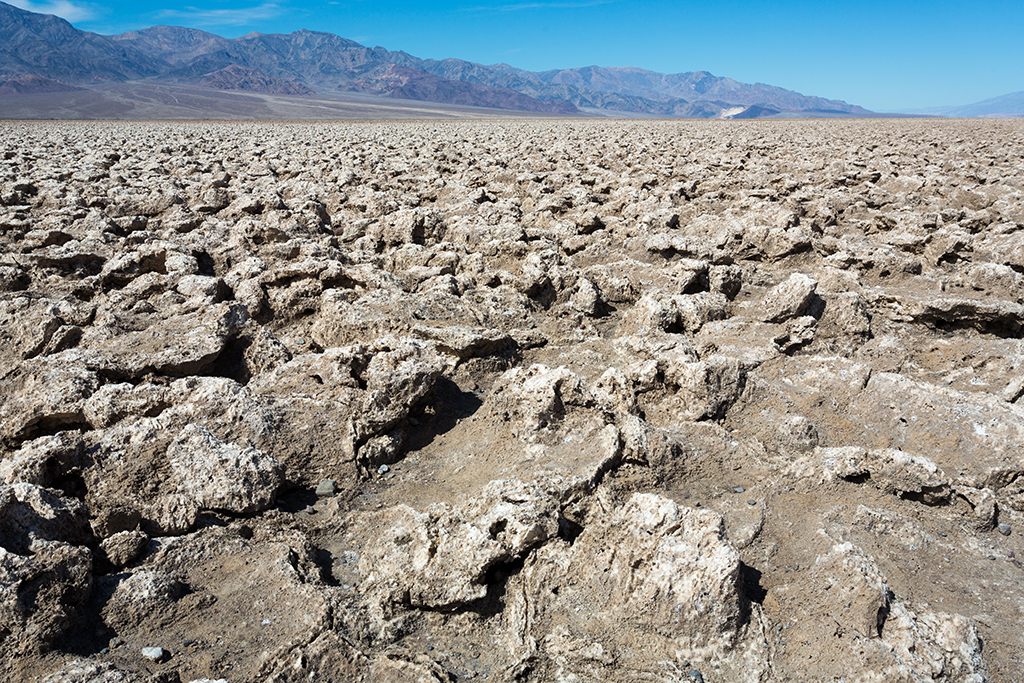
(1005, 106)
(44, 54)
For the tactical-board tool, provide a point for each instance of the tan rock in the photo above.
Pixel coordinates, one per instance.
(223, 476)
(123, 547)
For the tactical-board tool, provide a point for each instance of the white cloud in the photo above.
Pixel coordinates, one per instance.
(198, 16)
(62, 8)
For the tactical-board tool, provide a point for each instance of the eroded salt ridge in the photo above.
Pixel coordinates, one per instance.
(523, 401)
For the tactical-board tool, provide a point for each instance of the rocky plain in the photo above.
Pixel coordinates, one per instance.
(550, 400)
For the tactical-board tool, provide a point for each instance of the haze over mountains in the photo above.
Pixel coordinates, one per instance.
(1010, 105)
(43, 54)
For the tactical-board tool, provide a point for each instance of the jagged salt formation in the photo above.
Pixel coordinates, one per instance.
(596, 401)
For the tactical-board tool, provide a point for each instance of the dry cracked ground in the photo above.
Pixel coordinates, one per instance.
(512, 401)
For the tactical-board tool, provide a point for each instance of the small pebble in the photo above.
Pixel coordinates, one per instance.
(695, 675)
(326, 488)
(383, 469)
(187, 642)
(154, 654)
(300, 342)
(115, 643)
(310, 510)
(751, 501)
(1004, 529)
(942, 533)
(738, 489)
(265, 622)
(430, 647)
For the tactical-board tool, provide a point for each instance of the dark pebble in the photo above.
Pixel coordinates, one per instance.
(695, 675)
(738, 489)
(751, 502)
(1004, 529)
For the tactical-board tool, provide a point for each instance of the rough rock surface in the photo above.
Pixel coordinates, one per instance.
(595, 401)
(220, 476)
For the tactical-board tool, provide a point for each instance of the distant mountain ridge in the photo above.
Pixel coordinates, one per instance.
(1010, 105)
(634, 89)
(48, 46)
(48, 51)
(173, 44)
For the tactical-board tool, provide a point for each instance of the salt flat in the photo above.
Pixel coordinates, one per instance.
(530, 400)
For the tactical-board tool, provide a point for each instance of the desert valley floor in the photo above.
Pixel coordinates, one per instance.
(547, 400)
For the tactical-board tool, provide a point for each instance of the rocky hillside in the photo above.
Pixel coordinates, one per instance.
(173, 44)
(234, 77)
(23, 85)
(47, 46)
(306, 62)
(511, 401)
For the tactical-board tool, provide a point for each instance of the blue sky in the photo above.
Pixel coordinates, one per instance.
(885, 56)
